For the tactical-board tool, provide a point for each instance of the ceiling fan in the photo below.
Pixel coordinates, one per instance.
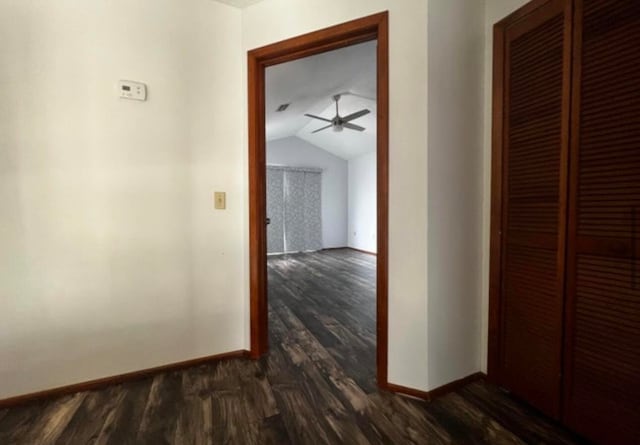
(338, 122)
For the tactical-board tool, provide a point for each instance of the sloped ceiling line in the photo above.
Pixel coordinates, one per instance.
(309, 85)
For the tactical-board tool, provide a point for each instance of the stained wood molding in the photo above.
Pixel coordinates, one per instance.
(373, 27)
(455, 385)
(405, 390)
(117, 379)
(439, 391)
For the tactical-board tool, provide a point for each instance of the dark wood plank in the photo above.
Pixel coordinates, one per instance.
(304, 423)
(122, 423)
(338, 306)
(509, 413)
(18, 422)
(159, 420)
(86, 424)
(469, 424)
(195, 420)
(405, 420)
(50, 424)
(273, 432)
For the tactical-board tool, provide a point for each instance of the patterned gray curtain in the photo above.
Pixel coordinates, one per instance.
(297, 196)
(294, 209)
(275, 210)
(312, 210)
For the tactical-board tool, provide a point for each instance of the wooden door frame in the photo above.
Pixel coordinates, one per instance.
(374, 27)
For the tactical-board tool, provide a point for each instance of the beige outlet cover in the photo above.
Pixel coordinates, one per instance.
(220, 200)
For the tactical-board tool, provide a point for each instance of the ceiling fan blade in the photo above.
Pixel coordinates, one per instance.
(323, 128)
(353, 126)
(355, 115)
(318, 117)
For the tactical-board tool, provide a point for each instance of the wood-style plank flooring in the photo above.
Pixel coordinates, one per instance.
(316, 386)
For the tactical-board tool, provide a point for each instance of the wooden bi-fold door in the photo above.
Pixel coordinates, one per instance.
(564, 320)
(602, 384)
(531, 146)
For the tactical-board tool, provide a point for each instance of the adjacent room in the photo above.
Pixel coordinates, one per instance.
(319, 222)
(321, 204)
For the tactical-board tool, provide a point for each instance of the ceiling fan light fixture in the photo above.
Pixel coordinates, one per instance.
(338, 128)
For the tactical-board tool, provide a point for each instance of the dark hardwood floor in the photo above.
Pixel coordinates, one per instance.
(316, 386)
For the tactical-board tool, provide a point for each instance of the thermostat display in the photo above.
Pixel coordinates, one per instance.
(128, 89)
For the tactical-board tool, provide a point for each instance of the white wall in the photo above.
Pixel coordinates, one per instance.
(112, 258)
(362, 202)
(294, 152)
(455, 48)
(274, 20)
(495, 10)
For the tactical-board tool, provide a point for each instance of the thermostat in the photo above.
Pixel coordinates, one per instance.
(129, 89)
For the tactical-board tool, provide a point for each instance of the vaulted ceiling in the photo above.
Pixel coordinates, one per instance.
(308, 86)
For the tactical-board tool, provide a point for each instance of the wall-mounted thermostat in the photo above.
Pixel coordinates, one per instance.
(129, 89)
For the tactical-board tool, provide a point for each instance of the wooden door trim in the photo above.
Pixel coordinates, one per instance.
(495, 245)
(357, 31)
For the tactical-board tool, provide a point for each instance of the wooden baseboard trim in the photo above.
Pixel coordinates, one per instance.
(455, 385)
(117, 379)
(436, 392)
(405, 390)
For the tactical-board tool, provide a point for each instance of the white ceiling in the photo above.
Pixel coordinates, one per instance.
(309, 84)
(239, 3)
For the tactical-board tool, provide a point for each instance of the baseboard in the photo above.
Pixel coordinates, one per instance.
(351, 248)
(436, 392)
(405, 390)
(363, 251)
(455, 385)
(117, 379)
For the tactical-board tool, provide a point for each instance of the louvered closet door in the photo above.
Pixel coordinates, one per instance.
(535, 151)
(603, 313)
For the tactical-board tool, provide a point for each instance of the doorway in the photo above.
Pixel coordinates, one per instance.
(370, 28)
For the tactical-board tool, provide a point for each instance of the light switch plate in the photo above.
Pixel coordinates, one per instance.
(220, 200)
